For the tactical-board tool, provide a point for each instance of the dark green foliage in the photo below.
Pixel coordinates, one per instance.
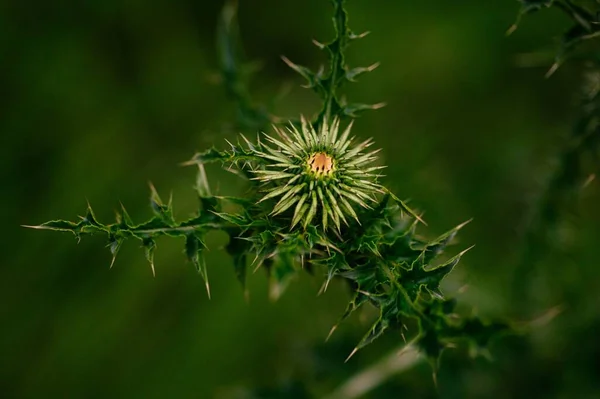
(235, 75)
(326, 84)
(578, 159)
(376, 251)
(586, 27)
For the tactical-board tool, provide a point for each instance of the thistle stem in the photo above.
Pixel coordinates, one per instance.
(401, 359)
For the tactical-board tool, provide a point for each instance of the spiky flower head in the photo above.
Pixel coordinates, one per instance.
(318, 174)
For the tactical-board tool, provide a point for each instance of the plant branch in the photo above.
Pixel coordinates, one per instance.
(398, 361)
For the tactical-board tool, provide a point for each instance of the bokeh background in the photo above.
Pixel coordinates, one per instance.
(100, 97)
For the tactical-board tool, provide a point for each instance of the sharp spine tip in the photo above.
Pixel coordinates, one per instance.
(351, 354)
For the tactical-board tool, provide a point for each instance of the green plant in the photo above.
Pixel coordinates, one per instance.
(578, 157)
(314, 200)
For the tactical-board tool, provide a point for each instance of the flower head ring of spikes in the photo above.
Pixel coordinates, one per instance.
(318, 174)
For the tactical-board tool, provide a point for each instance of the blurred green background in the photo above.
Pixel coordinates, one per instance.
(100, 97)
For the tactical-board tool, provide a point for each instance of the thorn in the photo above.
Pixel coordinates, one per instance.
(435, 381)
(511, 30)
(373, 67)
(35, 227)
(112, 262)
(463, 224)
(326, 284)
(351, 354)
(153, 271)
(152, 188)
(466, 250)
(228, 142)
(255, 259)
(207, 289)
(288, 62)
(359, 36)
(547, 317)
(257, 266)
(331, 333)
(552, 69)
(322, 289)
(318, 44)
(588, 180)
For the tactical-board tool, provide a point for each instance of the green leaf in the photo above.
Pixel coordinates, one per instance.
(194, 248)
(234, 73)
(418, 276)
(353, 73)
(149, 246)
(313, 80)
(238, 249)
(208, 202)
(327, 83)
(58, 225)
(281, 273)
(123, 219)
(353, 110)
(114, 243)
(435, 247)
(162, 211)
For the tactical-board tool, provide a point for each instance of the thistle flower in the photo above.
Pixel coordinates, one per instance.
(318, 174)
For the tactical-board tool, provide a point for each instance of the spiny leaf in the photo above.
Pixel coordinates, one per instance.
(235, 73)
(57, 225)
(125, 220)
(358, 299)
(435, 247)
(353, 110)
(394, 306)
(164, 212)
(528, 6)
(417, 276)
(207, 200)
(313, 81)
(114, 244)
(149, 246)
(327, 83)
(194, 248)
(281, 273)
(353, 73)
(585, 26)
(238, 248)
(406, 208)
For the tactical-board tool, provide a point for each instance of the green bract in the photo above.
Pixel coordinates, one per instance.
(319, 174)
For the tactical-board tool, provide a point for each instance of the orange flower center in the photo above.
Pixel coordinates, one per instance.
(321, 163)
